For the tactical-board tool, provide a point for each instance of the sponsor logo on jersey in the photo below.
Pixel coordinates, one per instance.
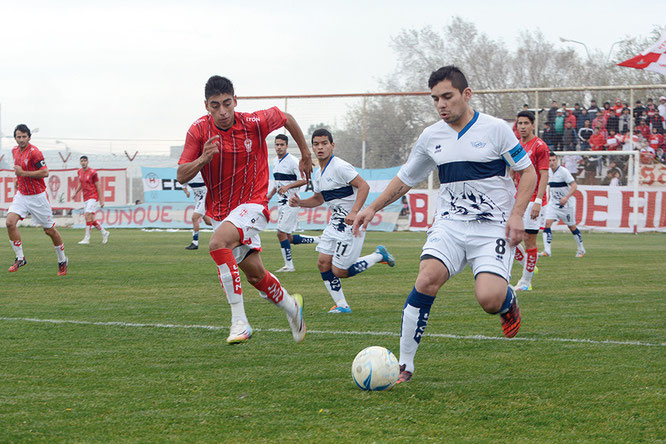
(253, 119)
(478, 145)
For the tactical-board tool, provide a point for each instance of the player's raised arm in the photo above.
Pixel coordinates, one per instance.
(362, 195)
(310, 202)
(514, 226)
(305, 164)
(394, 191)
(187, 171)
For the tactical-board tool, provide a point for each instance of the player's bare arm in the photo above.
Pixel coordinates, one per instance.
(78, 188)
(100, 195)
(394, 191)
(187, 171)
(361, 196)
(515, 229)
(541, 191)
(305, 164)
(271, 193)
(39, 174)
(572, 190)
(298, 183)
(310, 202)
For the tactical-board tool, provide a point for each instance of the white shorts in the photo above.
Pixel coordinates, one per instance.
(567, 214)
(287, 218)
(532, 224)
(338, 241)
(200, 199)
(480, 244)
(37, 205)
(250, 220)
(91, 206)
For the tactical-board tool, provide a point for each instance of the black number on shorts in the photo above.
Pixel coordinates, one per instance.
(501, 246)
(341, 245)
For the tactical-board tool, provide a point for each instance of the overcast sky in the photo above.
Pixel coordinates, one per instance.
(136, 69)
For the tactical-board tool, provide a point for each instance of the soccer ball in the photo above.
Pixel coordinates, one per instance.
(375, 368)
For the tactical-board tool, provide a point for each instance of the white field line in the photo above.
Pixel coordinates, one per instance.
(338, 332)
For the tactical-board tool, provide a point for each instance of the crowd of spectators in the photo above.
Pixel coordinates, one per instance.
(605, 129)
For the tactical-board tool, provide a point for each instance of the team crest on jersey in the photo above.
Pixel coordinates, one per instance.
(478, 145)
(248, 145)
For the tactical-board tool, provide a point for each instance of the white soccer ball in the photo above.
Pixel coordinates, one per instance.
(375, 368)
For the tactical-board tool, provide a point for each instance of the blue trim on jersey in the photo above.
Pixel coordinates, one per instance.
(284, 176)
(337, 193)
(326, 166)
(280, 160)
(557, 184)
(469, 124)
(460, 171)
(197, 185)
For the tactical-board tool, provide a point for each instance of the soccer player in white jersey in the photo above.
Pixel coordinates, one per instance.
(533, 218)
(344, 190)
(477, 221)
(199, 190)
(562, 186)
(286, 184)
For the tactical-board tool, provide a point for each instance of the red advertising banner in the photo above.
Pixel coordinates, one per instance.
(600, 208)
(60, 186)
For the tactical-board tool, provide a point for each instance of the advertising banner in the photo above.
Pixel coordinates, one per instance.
(60, 186)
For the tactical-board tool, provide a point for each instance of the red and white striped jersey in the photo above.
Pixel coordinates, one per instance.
(539, 155)
(239, 173)
(30, 159)
(88, 178)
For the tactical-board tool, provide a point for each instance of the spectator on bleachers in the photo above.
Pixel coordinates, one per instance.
(625, 121)
(577, 111)
(638, 112)
(599, 122)
(590, 166)
(648, 155)
(656, 140)
(580, 120)
(612, 142)
(643, 128)
(569, 117)
(662, 107)
(613, 122)
(552, 113)
(655, 120)
(661, 155)
(548, 135)
(597, 140)
(612, 178)
(569, 137)
(584, 135)
(618, 107)
(593, 110)
(559, 129)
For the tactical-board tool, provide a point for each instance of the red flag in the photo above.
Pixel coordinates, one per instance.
(652, 59)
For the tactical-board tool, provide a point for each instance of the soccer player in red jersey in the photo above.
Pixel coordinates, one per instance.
(533, 218)
(30, 198)
(93, 199)
(229, 148)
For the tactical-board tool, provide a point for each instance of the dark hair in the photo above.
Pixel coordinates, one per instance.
(83, 157)
(23, 128)
(218, 85)
(322, 132)
(528, 114)
(552, 154)
(282, 137)
(451, 73)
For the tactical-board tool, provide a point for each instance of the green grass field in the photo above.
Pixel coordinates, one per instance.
(588, 365)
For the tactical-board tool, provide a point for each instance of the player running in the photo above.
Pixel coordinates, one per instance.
(478, 221)
(198, 188)
(562, 186)
(344, 190)
(229, 148)
(30, 198)
(287, 183)
(533, 218)
(93, 199)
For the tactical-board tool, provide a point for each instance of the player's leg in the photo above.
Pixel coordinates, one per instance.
(224, 239)
(580, 250)
(298, 239)
(531, 257)
(285, 249)
(40, 208)
(547, 238)
(267, 284)
(59, 248)
(332, 282)
(15, 240)
(416, 311)
(88, 217)
(92, 208)
(195, 232)
(490, 258)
